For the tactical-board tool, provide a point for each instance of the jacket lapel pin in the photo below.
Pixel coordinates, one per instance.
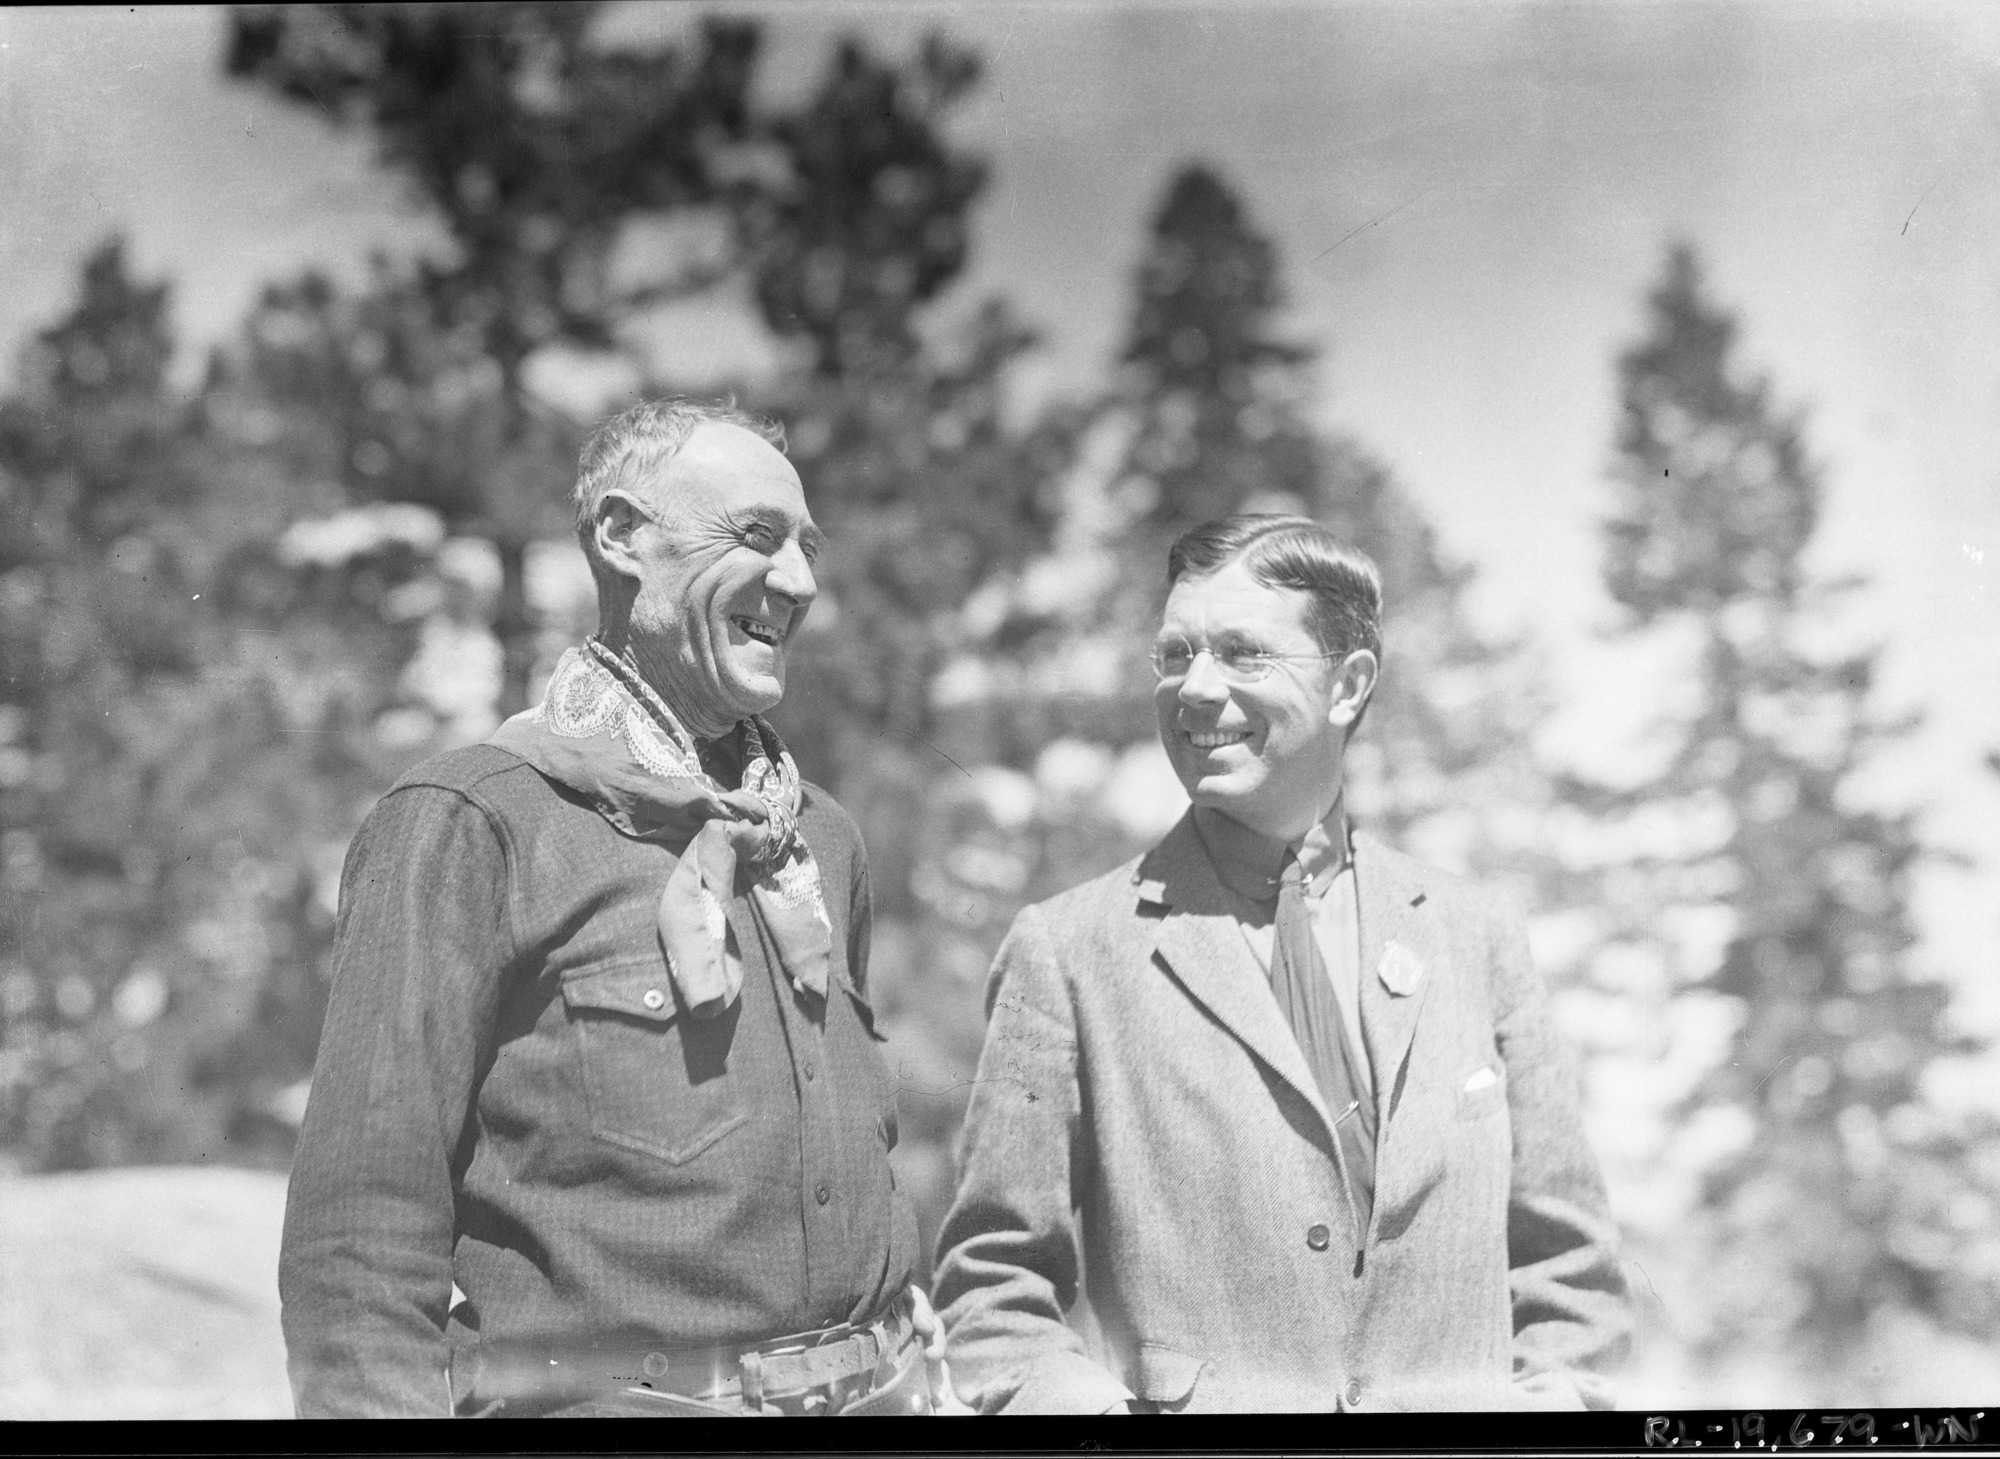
(1401, 970)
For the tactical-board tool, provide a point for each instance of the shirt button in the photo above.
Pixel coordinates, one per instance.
(1353, 1394)
(654, 999)
(822, 1195)
(812, 1070)
(1318, 1237)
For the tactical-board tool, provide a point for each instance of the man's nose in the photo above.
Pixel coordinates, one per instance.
(791, 576)
(1203, 683)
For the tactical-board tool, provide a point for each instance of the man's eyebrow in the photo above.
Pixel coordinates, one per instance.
(782, 521)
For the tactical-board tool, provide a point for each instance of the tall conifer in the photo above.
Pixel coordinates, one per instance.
(1830, 1190)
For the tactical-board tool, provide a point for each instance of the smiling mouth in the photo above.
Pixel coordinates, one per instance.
(758, 629)
(1216, 739)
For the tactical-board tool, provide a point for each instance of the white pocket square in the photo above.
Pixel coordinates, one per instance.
(1401, 970)
(1482, 1078)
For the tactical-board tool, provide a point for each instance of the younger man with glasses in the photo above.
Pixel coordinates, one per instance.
(1285, 1106)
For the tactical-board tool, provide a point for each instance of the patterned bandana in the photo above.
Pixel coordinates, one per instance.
(604, 733)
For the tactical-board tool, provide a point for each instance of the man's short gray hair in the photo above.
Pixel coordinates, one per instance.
(631, 447)
(1343, 585)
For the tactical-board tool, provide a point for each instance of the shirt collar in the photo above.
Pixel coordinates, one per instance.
(1247, 863)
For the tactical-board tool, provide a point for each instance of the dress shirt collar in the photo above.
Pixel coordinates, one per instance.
(1248, 863)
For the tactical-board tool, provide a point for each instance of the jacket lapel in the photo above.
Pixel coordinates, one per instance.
(1397, 964)
(1203, 950)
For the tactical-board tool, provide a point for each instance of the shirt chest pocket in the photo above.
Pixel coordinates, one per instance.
(655, 1080)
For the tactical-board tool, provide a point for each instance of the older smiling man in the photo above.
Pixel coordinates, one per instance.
(599, 1054)
(1284, 1105)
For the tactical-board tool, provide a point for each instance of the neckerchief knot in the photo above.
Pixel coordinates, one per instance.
(603, 732)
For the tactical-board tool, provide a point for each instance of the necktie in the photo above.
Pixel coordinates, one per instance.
(1304, 992)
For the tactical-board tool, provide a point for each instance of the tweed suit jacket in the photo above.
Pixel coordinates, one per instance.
(1151, 1205)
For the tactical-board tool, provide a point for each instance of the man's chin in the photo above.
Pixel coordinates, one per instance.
(1227, 795)
(755, 694)
(1215, 793)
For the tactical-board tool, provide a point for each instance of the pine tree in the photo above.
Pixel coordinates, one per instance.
(869, 221)
(537, 149)
(1217, 392)
(1830, 1191)
(165, 788)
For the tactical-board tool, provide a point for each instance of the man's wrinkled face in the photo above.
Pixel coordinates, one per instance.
(1266, 754)
(725, 575)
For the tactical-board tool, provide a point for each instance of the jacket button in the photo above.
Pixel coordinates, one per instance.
(812, 1070)
(822, 1195)
(1353, 1394)
(1318, 1237)
(654, 999)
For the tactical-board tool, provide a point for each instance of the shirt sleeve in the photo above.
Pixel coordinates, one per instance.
(1010, 1247)
(365, 1267)
(1572, 1316)
(860, 918)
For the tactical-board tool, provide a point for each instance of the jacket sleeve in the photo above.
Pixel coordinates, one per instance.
(1009, 1249)
(1572, 1316)
(365, 1265)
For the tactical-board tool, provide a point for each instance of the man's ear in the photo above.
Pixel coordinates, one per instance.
(614, 528)
(1353, 685)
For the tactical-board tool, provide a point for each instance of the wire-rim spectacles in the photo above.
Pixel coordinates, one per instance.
(1174, 660)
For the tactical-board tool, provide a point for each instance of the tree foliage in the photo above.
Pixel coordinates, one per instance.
(537, 149)
(223, 610)
(868, 219)
(1216, 390)
(179, 756)
(1831, 1190)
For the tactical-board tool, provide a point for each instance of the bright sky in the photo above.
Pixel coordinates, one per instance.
(1469, 200)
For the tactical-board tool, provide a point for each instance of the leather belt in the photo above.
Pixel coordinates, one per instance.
(820, 1371)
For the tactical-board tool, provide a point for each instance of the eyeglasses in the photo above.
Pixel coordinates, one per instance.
(1175, 658)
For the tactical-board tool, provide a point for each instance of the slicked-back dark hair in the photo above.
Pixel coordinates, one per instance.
(1343, 587)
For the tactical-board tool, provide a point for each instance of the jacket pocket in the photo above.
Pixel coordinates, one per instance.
(1166, 1377)
(655, 1080)
(1481, 1096)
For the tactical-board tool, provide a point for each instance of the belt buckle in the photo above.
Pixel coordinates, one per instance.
(821, 1397)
